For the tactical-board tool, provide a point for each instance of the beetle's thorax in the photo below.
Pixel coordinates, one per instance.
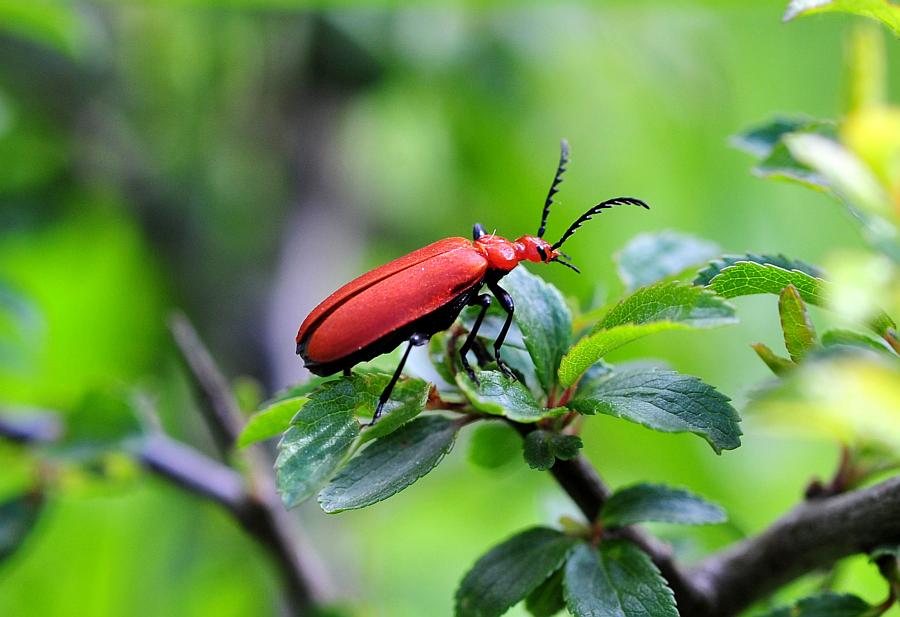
(504, 255)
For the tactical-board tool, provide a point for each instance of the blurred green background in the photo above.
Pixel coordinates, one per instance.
(242, 159)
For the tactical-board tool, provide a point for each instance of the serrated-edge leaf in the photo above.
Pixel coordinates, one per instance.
(799, 333)
(745, 278)
(510, 571)
(665, 401)
(270, 421)
(615, 580)
(714, 267)
(658, 308)
(642, 503)
(498, 395)
(318, 441)
(407, 401)
(390, 464)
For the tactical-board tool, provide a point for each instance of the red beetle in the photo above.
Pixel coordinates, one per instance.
(422, 293)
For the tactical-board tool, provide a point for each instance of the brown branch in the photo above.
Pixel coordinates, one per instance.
(813, 535)
(266, 519)
(219, 408)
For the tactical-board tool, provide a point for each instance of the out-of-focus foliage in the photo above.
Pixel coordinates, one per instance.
(163, 153)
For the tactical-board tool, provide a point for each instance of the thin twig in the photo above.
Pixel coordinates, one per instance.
(306, 583)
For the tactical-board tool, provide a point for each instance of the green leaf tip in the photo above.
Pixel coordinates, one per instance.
(270, 421)
(665, 401)
(799, 333)
(390, 464)
(659, 503)
(511, 571)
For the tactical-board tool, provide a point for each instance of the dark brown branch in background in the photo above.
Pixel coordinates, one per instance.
(252, 501)
(265, 518)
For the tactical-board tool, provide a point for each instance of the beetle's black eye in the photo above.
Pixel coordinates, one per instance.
(542, 253)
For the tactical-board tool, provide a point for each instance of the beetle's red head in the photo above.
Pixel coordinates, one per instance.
(503, 254)
(534, 249)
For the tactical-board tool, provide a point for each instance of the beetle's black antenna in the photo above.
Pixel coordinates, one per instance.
(566, 264)
(554, 187)
(609, 203)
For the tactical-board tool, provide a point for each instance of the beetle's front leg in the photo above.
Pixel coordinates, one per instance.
(509, 306)
(485, 301)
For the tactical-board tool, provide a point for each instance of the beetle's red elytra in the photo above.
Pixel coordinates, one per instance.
(415, 296)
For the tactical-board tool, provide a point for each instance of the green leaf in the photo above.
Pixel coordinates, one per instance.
(437, 352)
(390, 464)
(649, 258)
(617, 579)
(658, 308)
(843, 172)
(547, 600)
(598, 372)
(270, 421)
(885, 11)
(494, 444)
(498, 395)
(762, 139)
(714, 267)
(848, 338)
(825, 605)
(407, 401)
(782, 165)
(665, 401)
(544, 319)
(318, 442)
(746, 278)
(778, 365)
(510, 571)
(659, 503)
(17, 518)
(542, 448)
(799, 333)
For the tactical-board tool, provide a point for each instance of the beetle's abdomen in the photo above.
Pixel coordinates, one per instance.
(371, 313)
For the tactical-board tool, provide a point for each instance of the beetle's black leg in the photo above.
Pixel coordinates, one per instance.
(417, 340)
(509, 306)
(485, 301)
(347, 372)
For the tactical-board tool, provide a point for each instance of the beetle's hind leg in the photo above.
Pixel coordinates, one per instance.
(485, 301)
(415, 340)
(509, 306)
